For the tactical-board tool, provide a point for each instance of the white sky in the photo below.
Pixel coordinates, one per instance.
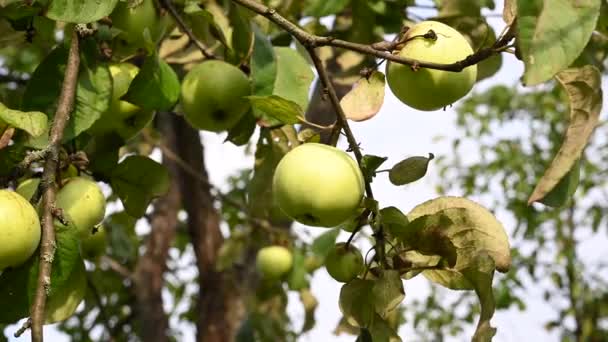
(396, 132)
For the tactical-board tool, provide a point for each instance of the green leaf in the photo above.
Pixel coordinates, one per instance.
(79, 11)
(394, 221)
(230, 252)
(271, 147)
(322, 8)
(10, 157)
(18, 285)
(276, 110)
(263, 65)
(34, 123)
(294, 76)
(122, 237)
(241, 133)
(364, 101)
(137, 180)
(102, 152)
(388, 292)
(357, 302)
(63, 302)
(552, 34)
(93, 91)
(325, 242)
(369, 165)
(564, 190)
(242, 35)
(308, 135)
(480, 274)
(583, 86)
(409, 170)
(296, 279)
(156, 86)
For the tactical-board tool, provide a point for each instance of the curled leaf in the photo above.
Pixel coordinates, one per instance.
(583, 86)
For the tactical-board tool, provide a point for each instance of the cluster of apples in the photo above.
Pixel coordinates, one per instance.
(82, 203)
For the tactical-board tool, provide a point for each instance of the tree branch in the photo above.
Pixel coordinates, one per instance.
(312, 41)
(47, 245)
(166, 4)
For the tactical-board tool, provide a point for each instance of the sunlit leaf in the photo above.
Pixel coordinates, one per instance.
(552, 34)
(34, 123)
(79, 11)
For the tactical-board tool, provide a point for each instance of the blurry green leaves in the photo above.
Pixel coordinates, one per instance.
(34, 123)
(93, 90)
(137, 180)
(79, 11)
(552, 34)
(583, 86)
(156, 86)
(365, 303)
(364, 101)
(18, 285)
(409, 170)
(322, 8)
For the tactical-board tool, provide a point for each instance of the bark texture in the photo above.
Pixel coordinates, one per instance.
(220, 306)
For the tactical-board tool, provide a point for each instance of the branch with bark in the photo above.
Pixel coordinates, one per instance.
(51, 163)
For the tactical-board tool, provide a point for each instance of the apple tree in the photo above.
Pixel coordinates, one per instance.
(115, 230)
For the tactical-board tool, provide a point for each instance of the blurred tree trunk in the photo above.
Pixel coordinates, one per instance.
(148, 275)
(220, 306)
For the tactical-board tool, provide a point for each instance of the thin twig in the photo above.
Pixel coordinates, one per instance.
(311, 40)
(102, 310)
(26, 325)
(116, 267)
(47, 245)
(166, 4)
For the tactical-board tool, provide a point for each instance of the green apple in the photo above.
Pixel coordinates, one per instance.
(83, 202)
(95, 244)
(318, 185)
(63, 302)
(213, 96)
(122, 117)
(344, 264)
(19, 229)
(28, 187)
(429, 89)
(274, 261)
(132, 21)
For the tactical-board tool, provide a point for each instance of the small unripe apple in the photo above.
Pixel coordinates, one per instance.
(83, 202)
(213, 96)
(95, 244)
(28, 187)
(122, 117)
(274, 261)
(62, 304)
(132, 21)
(430, 89)
(344, 264)
(19, 229)
(318, 185)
